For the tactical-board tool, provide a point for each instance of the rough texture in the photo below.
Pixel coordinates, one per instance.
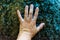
(49, 13)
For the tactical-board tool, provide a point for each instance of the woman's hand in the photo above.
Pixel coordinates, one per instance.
(28, 24)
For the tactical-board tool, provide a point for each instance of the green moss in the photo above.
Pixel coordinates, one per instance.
(9, 23)
(49, 13)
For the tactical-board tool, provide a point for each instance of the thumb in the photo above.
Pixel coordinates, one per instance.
(40, 26)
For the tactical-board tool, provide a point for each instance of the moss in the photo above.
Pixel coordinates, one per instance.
(48, 13)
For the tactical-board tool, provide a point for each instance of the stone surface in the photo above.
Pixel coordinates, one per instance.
(49, 13)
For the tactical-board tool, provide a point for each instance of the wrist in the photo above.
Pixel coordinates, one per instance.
(24, 36)
(26, 33)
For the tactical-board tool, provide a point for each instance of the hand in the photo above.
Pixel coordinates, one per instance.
(28, 24)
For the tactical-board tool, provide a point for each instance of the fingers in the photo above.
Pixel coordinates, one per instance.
(31, 12)
(26, 13)
(26, 16)
(36, 14)
(40, 26)
(19, 16)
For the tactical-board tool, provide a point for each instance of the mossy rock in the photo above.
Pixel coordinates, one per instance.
(49, 13)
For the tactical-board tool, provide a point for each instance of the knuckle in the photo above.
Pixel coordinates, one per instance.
(31, 12)
(35, 15)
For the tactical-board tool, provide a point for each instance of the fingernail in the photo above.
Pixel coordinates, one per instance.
(37, 8)
(26, 5)
(31, 4)
(43, 23)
